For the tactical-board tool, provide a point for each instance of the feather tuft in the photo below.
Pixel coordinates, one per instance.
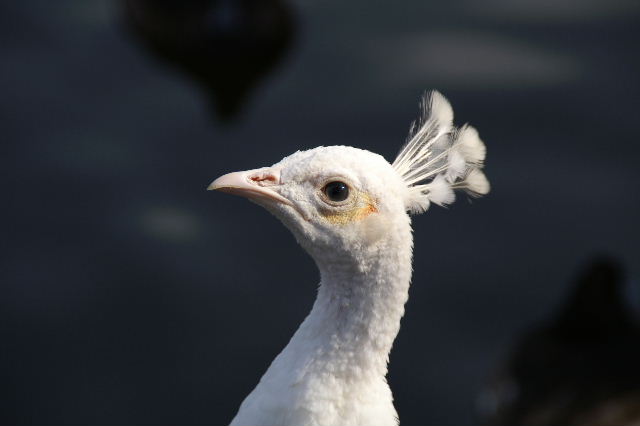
(418, 202)
(475, 184)
(456, 166)
(440, 191)
(470, 145)
(439, 158)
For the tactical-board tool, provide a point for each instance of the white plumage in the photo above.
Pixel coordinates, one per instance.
(435, 150)
(348, 208)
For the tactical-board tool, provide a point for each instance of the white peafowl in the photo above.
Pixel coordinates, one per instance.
(349, 208)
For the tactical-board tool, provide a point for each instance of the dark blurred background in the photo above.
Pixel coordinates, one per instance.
(127, 294)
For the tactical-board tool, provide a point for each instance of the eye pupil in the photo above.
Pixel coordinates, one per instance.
(336, 191)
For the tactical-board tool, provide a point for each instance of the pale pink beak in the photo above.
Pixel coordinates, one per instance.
(254, 184)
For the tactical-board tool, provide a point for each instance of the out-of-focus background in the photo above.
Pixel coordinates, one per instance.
(130, 295)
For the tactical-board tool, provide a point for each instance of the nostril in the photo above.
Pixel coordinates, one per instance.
(265, 178)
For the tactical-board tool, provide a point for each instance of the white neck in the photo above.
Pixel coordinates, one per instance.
(333, 369)
(356, 316)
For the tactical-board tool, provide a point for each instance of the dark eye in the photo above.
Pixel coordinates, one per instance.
(336, 191)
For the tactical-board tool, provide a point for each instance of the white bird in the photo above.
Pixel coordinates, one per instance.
(349, 209)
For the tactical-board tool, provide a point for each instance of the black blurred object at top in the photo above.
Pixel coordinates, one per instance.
(227, 46)
(582, 368)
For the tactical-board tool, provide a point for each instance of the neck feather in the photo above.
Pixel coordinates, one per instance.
(356, 315)
(333, 369)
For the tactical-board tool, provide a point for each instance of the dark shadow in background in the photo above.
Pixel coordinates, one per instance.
(581, 368)
(227, 46)
(127, 295)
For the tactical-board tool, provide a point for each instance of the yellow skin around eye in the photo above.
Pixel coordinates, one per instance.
(363, 207)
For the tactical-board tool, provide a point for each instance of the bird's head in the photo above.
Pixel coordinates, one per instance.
(341, 200)
(333, 196)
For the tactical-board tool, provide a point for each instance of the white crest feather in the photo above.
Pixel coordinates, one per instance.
(475, 184)
(470, 144)
(439, 158)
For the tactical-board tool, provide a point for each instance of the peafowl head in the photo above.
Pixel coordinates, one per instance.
(343, 200)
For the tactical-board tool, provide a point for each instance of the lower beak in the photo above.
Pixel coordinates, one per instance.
(254, 184)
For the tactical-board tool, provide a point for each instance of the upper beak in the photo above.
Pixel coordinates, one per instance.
(253, 184)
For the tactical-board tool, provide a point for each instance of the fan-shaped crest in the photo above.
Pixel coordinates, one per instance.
(439, 158)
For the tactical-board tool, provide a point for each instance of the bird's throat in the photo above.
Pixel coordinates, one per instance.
(356, 316)
(339, 354)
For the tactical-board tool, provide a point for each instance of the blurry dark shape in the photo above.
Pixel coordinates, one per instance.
(227, 46)
(583, 368)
